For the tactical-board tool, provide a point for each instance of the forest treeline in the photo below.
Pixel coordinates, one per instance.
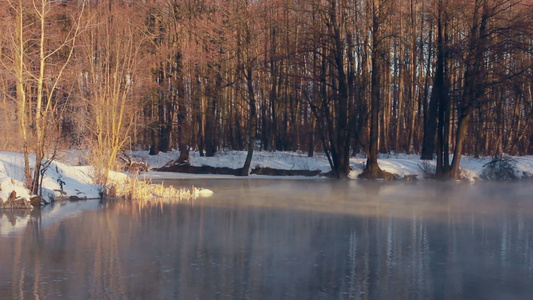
(434, 77)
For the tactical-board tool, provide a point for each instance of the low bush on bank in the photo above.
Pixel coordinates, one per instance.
(500, 168)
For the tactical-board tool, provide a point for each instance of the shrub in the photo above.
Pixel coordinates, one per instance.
(500, 168)
(427, 169)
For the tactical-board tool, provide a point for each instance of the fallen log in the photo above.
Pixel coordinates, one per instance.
(185, 168)
(282, 172)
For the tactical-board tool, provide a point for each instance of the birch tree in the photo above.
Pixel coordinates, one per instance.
(42, 47)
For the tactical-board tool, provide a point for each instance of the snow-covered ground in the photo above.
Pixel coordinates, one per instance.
(69, 177)
(60, 179)
(401, 164)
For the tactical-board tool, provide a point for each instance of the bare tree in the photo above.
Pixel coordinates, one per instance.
(42, 47)
(109, 82)
(380, 10)
(488, 19)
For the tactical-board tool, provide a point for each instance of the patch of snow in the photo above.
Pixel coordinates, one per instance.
(7, 185)
(201, 192)
(524, 164)
(59, 180)
(154, 161)
(397, 163)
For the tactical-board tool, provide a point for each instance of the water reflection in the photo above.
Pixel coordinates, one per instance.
(285, 240)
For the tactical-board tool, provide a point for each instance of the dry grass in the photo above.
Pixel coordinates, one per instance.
(142, 191)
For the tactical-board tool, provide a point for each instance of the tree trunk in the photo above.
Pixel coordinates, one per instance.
(437, 104)
(154, 149)
(252, 125)
(164, 140)
(210, 118)
(372, 169)
(474, 86)
(455, 171)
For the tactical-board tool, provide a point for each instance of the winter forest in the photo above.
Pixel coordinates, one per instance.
(440, 78)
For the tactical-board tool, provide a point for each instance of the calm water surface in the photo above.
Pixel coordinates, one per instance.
(279, 239)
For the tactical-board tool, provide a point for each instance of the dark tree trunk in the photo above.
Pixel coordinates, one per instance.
(164, 141)
(474, 86)
(197, 117)
(372, 169)
(154, 148)
(339, 129)
(443, 128)
(430, 128)
(431, 120)
(210, 117)
(37, 173)
(182, 144)
(252, 125)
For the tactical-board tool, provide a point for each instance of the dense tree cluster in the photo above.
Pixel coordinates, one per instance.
(340, 76)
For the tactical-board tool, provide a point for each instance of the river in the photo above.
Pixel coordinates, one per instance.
(279, 239)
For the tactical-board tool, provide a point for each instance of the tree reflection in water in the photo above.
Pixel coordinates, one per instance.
(284, 240)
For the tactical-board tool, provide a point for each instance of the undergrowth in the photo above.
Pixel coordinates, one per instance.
(500, 168)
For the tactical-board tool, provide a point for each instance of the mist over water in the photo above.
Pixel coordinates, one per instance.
(280, 239)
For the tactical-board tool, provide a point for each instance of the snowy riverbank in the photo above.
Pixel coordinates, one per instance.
(400, 164)
(67, 178)
(60, 180)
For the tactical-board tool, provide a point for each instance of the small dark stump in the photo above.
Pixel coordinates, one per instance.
(35, 200)
(12, 196)
(76, 198)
